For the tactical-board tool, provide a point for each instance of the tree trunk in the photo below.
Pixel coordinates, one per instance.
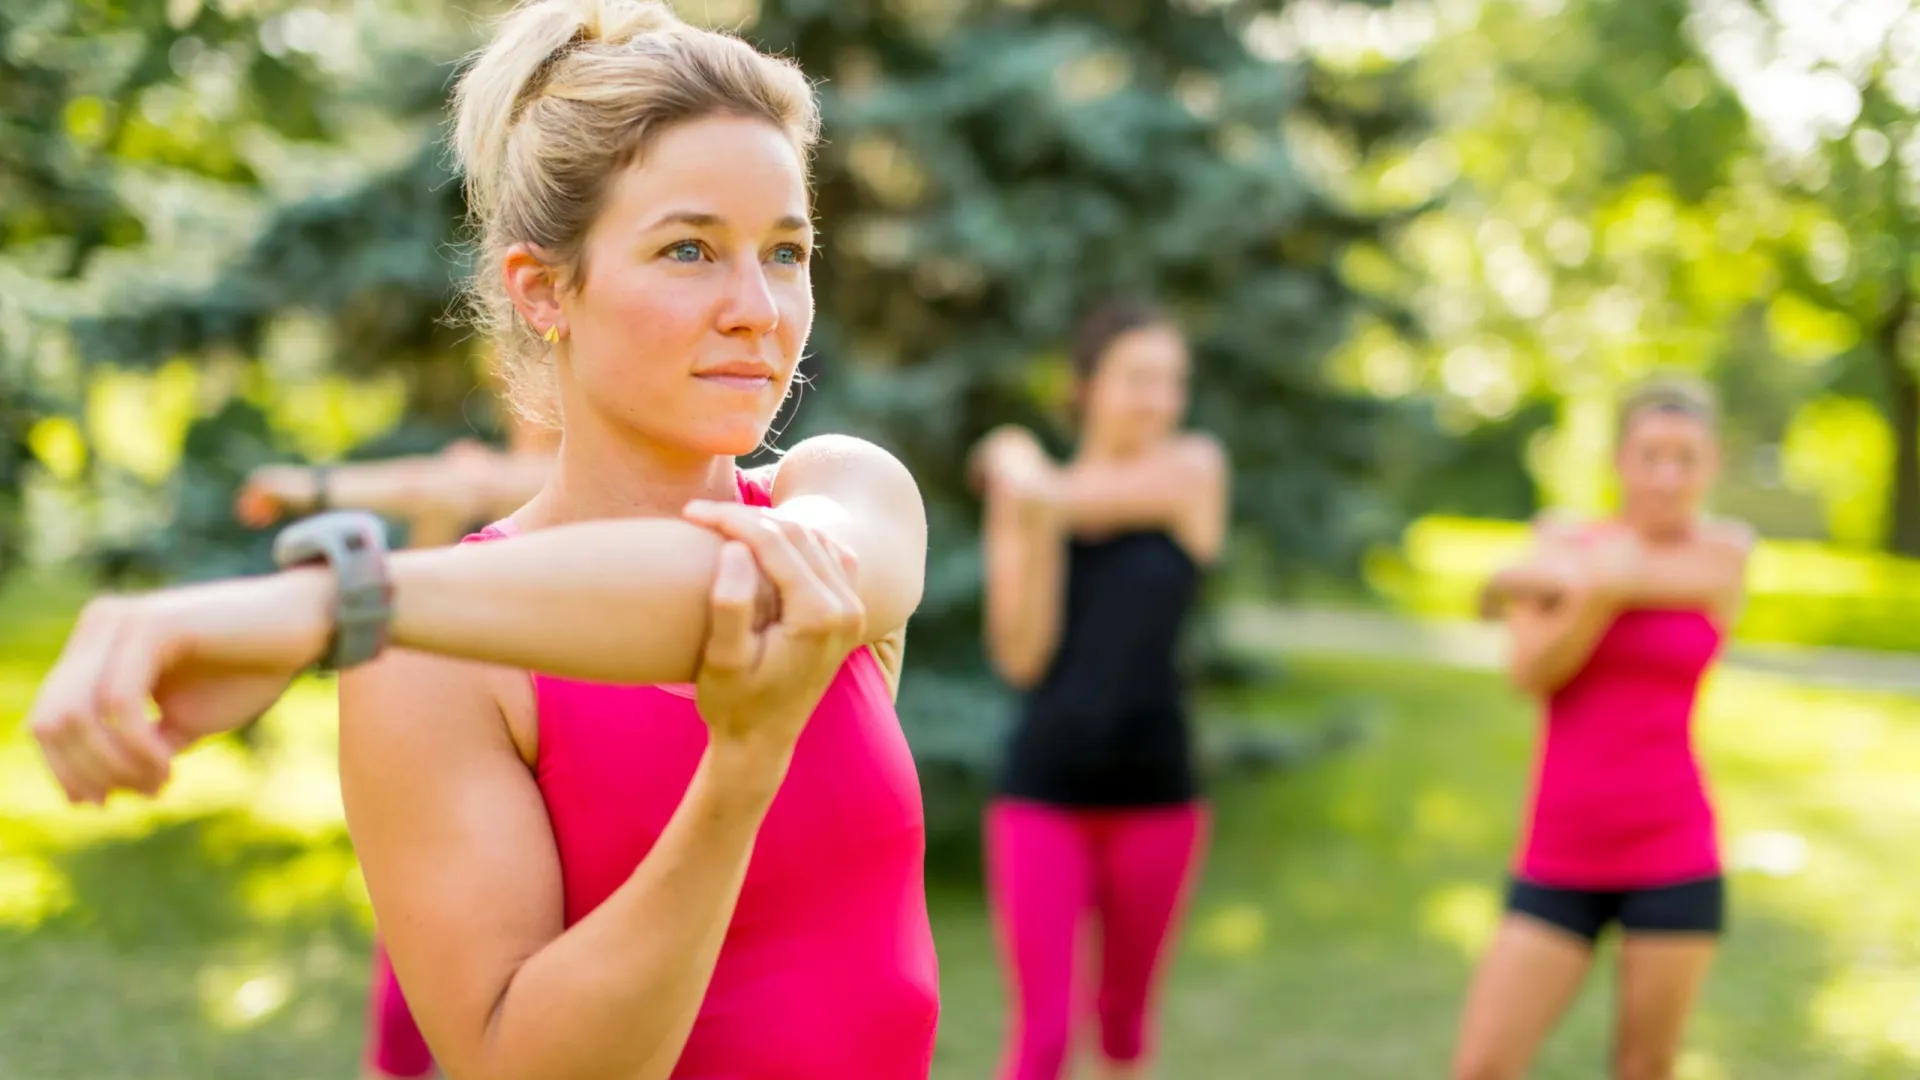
(1903, 415)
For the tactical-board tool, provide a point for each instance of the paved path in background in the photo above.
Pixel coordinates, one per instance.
(1327, 631)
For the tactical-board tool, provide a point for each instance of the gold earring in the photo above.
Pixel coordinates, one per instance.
(552, 336)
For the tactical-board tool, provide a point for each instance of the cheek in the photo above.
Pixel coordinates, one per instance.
(795, 300)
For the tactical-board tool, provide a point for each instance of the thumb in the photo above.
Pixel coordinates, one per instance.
(736, 585)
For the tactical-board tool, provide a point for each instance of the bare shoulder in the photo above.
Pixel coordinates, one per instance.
(847, 467)
(1735, 536)
(834, 461)
(1199, 453)
(1561, 526)
(1729, 542)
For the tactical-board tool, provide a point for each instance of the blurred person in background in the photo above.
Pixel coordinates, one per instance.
(440, 496)
(626, 779)
(1092, 567)
(1613, 624)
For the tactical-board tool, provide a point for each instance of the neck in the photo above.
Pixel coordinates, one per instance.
(1657, 531)
(1096, 446)
(600, 472)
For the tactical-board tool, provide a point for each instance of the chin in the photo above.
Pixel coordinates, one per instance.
(725, 439)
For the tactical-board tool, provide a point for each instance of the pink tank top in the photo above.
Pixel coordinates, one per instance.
(828, 969)
(1619, 802)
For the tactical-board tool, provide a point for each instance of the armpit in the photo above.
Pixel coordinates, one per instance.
(891, 652)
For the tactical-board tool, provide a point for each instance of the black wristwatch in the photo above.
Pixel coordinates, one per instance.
(321, 474)
(353, 543)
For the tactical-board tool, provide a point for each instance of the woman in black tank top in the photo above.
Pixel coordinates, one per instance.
(1092, 567)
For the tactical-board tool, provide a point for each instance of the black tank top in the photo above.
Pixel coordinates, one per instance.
(1107, 726)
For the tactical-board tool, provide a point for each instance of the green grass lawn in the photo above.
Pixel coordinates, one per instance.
(221, 932)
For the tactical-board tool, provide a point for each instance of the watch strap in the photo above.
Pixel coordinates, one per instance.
(353, 543)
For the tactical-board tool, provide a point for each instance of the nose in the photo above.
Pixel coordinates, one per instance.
(750, 308)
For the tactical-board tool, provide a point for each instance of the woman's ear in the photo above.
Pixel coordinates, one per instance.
(533, 283)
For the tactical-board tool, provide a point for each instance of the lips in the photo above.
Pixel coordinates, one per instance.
(739, 382)
(738, 375)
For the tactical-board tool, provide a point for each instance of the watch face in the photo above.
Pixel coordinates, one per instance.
(353, 543)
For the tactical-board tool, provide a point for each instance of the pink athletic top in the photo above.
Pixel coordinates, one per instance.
(828, 969)
(1619, 802)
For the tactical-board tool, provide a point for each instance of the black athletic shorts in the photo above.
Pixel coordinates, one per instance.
(1695, 907)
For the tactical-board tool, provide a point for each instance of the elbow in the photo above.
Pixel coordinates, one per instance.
(1534, 679)
(1019, 672)
(1017, 665)
(1528, 682)
(1021, 679)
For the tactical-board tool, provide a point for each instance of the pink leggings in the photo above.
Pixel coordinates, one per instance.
(1046, 867)
(395, 1046)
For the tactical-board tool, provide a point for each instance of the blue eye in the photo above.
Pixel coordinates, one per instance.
(684, 251)
(790, 254)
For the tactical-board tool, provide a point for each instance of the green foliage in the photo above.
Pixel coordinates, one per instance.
(988, 175)
(984, 183)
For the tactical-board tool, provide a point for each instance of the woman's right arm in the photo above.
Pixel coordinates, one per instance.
(461, 865)
(1553, 632)
(460, 857)
(1024, 547)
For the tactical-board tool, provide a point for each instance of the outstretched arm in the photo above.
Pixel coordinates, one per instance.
(1181, 487)
(460, 484)
(618, 601)
(1707, 570)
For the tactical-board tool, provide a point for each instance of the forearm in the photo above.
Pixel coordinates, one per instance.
(394, 488)
(1516, 581)
(1026, 565)
(621, 601)
(616, 995)
(1101, 498)
(1560, 647)
(1699, 577)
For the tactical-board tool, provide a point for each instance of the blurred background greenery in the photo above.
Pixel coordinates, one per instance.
(1419, 245)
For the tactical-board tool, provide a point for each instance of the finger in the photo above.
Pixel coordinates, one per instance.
(256, 508)
(80, 745)
(776, 555)
(61, 709)
(120, 701)
(835, 607)
(834, 563)
(720, 514)
(731, 643)
(849, 560)
(48, 720)
(71, 784)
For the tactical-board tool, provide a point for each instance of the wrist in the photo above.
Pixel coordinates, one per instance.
(281, 622)
(316, 489)
(748, 768)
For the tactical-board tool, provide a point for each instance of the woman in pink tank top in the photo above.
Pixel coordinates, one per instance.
(627, 784)
(1614, 624)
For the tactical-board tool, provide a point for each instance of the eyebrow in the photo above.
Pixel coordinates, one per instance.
(697, 220)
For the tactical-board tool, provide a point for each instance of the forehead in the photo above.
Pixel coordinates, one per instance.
(1149, 347)
(746, 172)
(1663, 426)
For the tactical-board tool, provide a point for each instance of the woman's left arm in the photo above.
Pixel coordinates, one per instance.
(1710, 570)
(1182, 488)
